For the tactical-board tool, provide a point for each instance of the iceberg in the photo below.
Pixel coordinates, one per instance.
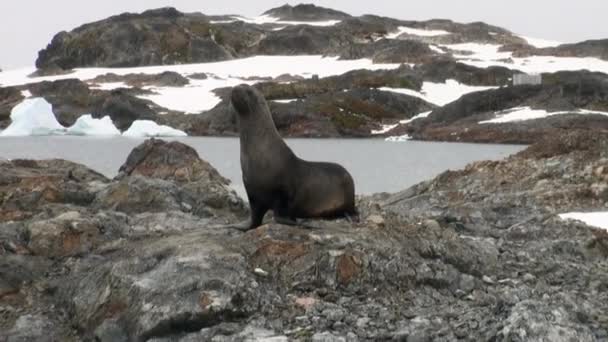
(148, 128)
(33, 117)
(87, 125)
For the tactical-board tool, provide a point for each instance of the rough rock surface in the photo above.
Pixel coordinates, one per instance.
(306, 12)
(560, 92)
(167, 36)
(475, 254)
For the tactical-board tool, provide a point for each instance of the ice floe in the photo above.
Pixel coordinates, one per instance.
(148, 128)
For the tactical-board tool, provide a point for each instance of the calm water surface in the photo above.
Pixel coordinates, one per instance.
(376, 165)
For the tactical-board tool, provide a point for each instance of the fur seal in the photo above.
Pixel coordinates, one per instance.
(276, 179)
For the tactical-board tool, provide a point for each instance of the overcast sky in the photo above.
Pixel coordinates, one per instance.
(27, 26)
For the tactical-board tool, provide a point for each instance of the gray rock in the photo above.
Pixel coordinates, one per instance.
(327, 337)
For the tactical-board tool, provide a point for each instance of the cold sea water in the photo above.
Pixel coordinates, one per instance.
(376, 165)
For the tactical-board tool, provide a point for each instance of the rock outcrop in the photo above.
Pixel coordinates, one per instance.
(472, 254)
(167, 36)
(305, 12)
(161, 36)
(564, 92)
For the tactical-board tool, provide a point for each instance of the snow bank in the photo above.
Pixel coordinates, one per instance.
(416, 117)
(596, 219)
(540, 43)
(285, 100)
(527, 113)
(87, 125)
(486, 55)
(147, 128)
(198, 96)
(439, 93)
(267, 19)
(384, 129)
(33, 117)
(416, 32)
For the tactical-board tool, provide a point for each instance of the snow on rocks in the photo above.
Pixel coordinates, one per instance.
(198, 96)
(594, 219)
(33, 117)
(527, 113)
(540, 43)
(487, 55)
(439, 93)
(87, 125)
(267, 19)
(147, 128)
(416, 32)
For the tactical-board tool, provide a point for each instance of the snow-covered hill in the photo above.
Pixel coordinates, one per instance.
(306, 52)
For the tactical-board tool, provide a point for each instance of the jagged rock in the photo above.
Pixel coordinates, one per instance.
(9, 98)
(26, 186)
(589, 48)
(161, 176)
(72, 98)
(562, 91)
(162, 36)
(173, 161)
(164, 79)
(167, 36)
(305, 12)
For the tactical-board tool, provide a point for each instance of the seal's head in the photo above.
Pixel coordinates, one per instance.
(246, 100)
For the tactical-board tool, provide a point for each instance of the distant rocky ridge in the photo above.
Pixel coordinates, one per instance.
(358, 103)
(306, 12)
(167, 36)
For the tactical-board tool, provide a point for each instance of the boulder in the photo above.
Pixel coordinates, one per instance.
(161, 176)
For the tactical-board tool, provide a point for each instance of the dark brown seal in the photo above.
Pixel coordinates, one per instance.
(276, 179)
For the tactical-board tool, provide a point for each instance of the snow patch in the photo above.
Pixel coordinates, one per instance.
(33, 117)
(596, 219)
(267, 19)
(487, 55)
(109, 85)
(285, 100)
(198, 96)
(87, 125)
(147, 128)
(440, 93)
(415, 117)
(477, 51)
(436, 49)
(540, 43)
(384, 129)
(26, 93)
(416, 32)
(527, 113)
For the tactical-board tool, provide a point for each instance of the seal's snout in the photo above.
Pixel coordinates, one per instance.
(242, 98)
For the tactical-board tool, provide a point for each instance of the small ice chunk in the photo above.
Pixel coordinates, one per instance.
(148, 128)
(87, 125)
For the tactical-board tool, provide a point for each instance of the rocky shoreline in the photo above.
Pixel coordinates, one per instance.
(474, 254)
